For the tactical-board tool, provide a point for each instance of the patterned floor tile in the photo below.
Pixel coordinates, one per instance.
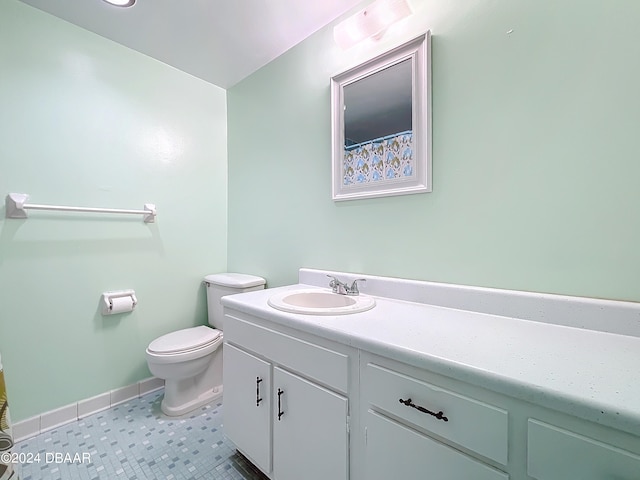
(135, 441)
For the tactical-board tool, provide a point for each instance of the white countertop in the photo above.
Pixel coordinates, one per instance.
(591, 374)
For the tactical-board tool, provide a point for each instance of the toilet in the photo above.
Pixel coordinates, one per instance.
(190, 360)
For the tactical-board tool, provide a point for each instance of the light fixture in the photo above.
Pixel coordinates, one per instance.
(372, 22)
(121, 3)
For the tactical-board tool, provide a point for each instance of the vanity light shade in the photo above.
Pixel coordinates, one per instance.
(121, 3)
(373, 21)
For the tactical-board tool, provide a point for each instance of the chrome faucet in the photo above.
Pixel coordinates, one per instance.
(342, 288)
(353, 289)
(337, 286)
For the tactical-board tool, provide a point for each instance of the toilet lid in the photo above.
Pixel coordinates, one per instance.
(186, 339)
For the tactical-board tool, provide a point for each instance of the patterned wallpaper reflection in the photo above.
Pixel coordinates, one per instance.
(381, 160)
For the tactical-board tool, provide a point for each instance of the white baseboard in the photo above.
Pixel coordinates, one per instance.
(75, 411)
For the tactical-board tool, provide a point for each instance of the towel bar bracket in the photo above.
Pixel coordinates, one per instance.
(14, 205)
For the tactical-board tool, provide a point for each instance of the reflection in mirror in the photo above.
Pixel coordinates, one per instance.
(381, 125)
(378, 105)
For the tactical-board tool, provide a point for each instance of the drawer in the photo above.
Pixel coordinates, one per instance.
(313, 361)
(395, 451)
(477, 426)
(557, 454)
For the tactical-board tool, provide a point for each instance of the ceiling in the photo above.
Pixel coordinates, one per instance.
(220, 41)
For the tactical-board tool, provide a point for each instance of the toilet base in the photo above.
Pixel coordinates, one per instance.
(191, 383)
(170, 409)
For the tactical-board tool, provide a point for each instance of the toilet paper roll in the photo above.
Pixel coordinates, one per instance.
(121, 305)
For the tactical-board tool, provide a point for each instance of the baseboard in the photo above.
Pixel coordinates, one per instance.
(75, 411)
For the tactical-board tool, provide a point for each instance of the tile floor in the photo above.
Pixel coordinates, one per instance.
(135, 441)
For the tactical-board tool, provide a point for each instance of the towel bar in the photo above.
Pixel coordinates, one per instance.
(15, 207)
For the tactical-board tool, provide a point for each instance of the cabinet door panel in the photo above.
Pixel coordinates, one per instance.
(247, 422)
(557, 454)
(395, 451)
(310, 440)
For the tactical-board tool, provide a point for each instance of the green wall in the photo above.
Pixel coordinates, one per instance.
(534, 159)
(85, 121)
(536, 154)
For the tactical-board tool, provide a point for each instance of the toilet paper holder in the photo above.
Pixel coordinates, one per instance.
(118, 301)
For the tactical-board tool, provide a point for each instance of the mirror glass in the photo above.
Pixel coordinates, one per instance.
(381, 125)
(366, 119)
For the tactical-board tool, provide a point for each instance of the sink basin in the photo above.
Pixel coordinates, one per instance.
(320, 302)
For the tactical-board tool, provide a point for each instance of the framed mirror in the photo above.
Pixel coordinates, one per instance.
(381, 124)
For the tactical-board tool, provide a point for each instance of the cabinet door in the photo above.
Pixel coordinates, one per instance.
(395, 451)
(310, 437)
(247, 405)
(557, 454)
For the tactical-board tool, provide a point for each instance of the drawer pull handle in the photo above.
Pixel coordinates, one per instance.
(280, 412)
(439, 415)
(258, 399)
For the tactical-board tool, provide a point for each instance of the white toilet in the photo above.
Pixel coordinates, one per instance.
(190, 360)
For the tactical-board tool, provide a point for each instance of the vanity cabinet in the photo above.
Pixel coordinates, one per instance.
(285, 402)
(414, 426)
(290, 399)
(496, 385)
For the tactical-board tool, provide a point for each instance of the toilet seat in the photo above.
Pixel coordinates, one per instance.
(184, 341)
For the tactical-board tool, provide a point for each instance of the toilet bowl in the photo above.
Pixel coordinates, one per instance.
(190, 360)
(186, 360)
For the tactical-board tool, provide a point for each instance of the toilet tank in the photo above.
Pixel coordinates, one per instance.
(220, 284)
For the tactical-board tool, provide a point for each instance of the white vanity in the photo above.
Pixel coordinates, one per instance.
(435, 381)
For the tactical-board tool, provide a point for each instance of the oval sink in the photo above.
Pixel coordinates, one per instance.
(320, 302)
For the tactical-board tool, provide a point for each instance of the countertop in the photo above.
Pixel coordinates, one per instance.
(591, 374)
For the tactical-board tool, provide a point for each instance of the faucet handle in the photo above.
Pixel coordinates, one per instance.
(353, 290)
(337, 285)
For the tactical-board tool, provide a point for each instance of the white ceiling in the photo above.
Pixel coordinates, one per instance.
(220, 41)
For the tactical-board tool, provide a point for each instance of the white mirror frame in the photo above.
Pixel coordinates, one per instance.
(418, 51)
